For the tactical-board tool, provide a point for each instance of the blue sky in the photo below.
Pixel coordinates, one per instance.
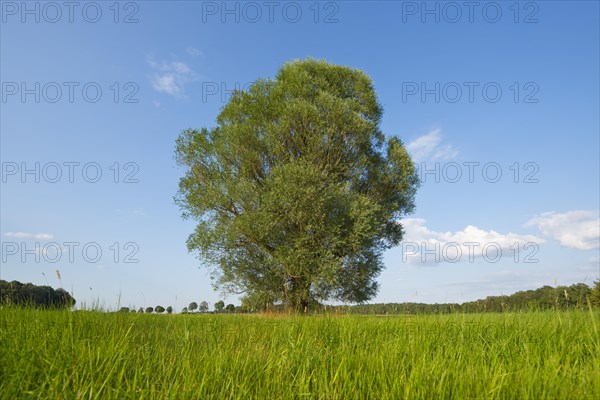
(499, 88)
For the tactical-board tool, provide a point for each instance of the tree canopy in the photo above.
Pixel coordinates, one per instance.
(203, 307)
(219, 306)
(17, 293)
(296, 190)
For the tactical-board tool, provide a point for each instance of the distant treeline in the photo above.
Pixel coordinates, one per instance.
(17, 293)
(544, 298)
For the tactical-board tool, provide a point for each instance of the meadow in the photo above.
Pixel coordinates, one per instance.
(97, 355)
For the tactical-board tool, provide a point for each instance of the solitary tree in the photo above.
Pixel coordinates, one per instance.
(203, 306)
(193, 306)
(140, 310)
(149, 310)
(159, 309)
(184, 310)
(169, 310)
(296, 190)
(219, 305)
(230, 308)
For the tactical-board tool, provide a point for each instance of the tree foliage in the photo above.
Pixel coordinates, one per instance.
(159, 309)
(296, 190)
(203, 306)
(595, 295)
(219, 306)
(149, 310)
(17, 293)
(193, 306)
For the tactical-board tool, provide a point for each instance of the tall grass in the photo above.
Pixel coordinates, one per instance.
(94, 355)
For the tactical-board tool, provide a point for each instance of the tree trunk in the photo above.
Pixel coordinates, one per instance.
(299, 295)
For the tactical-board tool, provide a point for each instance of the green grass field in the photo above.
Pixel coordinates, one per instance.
(94, 355)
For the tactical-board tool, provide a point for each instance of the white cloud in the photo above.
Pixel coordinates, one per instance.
(171, 77)
(423, 245)
(578, 229)
(194, 52)
(166, 84)
(27, 235)
(428, 147)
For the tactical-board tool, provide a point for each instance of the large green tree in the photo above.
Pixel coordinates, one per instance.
(296, 190)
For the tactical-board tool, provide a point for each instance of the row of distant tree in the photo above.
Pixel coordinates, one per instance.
(17, 293)
(562, 297)
(191, 308)
(577, 296)
(203, 307)
(148, 310)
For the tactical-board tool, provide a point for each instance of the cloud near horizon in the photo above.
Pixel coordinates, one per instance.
(577, 229)
(423, 245)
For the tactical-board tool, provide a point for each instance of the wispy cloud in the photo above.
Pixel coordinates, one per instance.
(139, 212)
(423, 245)
(171, 77)
(194, 52)
(27, 235)
(429, 147)
(578, 229)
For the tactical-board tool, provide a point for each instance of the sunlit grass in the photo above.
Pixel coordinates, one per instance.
(94, 355)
